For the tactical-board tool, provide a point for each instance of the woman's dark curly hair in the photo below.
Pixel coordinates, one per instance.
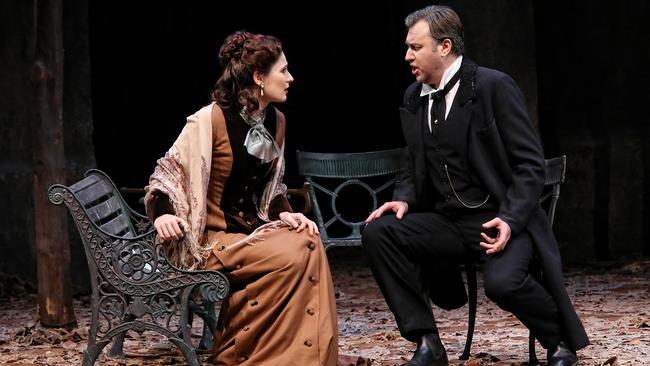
(241, 54)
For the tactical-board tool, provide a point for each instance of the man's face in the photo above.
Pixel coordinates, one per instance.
(424, 54)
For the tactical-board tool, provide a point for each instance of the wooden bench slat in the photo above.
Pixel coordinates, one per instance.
(100, 212)
(91, 193)
(84, 183)
(118, 226)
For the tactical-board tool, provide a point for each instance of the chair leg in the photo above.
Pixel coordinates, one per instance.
(532, 356)
(536, 272)
(470, 272)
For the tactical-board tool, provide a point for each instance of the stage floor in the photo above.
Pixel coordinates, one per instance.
(612, 299)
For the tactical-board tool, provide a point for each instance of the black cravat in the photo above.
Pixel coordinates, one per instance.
(439, 105)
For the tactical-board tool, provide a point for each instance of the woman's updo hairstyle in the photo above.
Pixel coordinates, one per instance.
(241, 54)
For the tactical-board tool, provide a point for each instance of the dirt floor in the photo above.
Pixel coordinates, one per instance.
(613, 300)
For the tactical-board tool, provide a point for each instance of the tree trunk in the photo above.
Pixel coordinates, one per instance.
(51, 234)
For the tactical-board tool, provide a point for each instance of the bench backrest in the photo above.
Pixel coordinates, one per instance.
(103, 203)
(334, 177)
(119, 242)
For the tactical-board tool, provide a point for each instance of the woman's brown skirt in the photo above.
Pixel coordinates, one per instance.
(281, 309)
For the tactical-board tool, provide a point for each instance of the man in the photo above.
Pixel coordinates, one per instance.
(476, 172)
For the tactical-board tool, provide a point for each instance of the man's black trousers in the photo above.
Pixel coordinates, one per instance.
(402, 252)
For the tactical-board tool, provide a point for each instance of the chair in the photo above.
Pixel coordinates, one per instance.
(554, 177)
(337, 184)
(134, 287)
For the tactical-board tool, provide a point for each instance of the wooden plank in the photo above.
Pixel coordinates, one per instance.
(51, 234)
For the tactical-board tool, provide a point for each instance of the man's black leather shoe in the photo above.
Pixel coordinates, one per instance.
(561, 356)
(430, 352)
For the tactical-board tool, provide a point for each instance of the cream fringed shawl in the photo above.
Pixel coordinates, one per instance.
(183, 175)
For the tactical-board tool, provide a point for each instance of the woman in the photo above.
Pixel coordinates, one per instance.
(217, 196)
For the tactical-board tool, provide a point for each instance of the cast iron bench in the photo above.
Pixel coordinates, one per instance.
(134, 287)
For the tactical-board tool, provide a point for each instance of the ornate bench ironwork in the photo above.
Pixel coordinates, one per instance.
(134, 286)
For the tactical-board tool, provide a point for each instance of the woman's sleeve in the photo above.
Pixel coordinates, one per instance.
(279, 204)
(160, 205)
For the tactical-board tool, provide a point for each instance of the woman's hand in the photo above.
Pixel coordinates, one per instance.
(170, 227)
(298, 221)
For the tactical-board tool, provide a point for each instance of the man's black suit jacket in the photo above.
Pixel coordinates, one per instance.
(506, 154)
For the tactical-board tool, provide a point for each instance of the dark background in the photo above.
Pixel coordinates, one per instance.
(135, 70)
(153, 66)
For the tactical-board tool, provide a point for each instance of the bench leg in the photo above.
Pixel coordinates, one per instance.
(117, 349)
(209, 325)
(207, 312)
(187, 350)
(90, 355)
(93, 350)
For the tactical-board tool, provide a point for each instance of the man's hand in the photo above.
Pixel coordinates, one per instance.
(298, 221)
(497, 244)
(398, 207)
(169, 227)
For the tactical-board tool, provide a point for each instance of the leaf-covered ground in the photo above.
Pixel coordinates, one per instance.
(612, 300)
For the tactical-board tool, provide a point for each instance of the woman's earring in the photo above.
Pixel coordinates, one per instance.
(262, 89)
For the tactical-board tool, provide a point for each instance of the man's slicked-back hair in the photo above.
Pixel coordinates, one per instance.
(443, 23)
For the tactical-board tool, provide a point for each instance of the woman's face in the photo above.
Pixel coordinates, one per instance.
(276, 82)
